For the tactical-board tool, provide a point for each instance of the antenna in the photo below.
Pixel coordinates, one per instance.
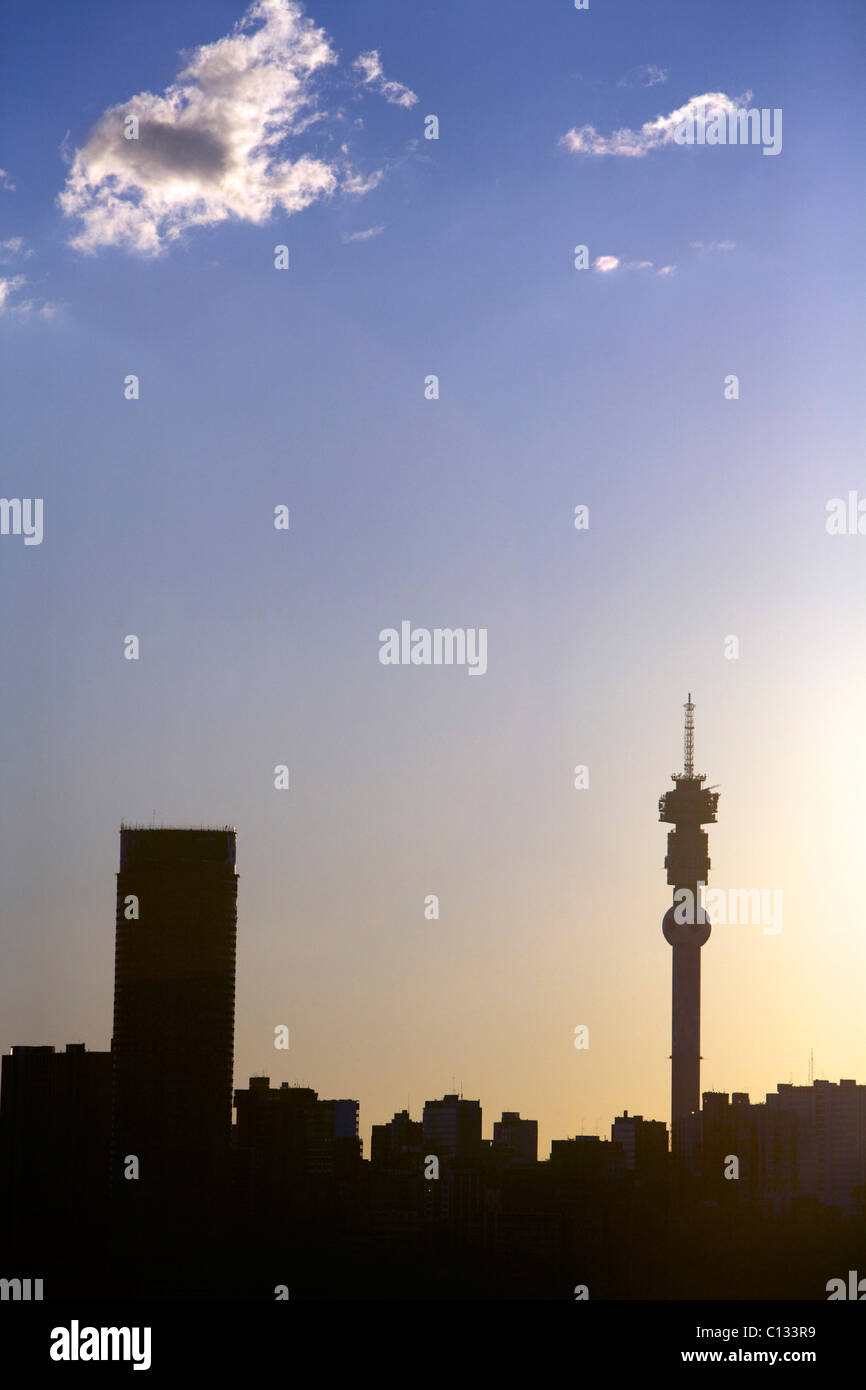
(689, 739)
(811, 1065)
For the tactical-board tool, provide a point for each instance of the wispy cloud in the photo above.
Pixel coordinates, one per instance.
(6, 182)
(13, 248)
(368, 66)
(605, 264)
(647, 76)
(366, 235)
(12, 305)
(634, 144)
(212, 147)
(712, 245)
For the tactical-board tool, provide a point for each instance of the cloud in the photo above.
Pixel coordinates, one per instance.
(634, 144)
(712, 245)
(211, 147)
(647, 76)
(11, 305)
(367, 235)
(369, 68)
(605, 264)
(8, 286)
(12, 248)
(6, 182)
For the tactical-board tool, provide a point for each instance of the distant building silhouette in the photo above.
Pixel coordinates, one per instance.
(802, 1142)
(517, 1137)
(174, 995)
(587, 1157)
(396, 1146)
(55, 1110)
(644, 1143)
(452, 1128)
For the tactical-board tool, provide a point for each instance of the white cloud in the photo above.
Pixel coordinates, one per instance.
(647, 76)
(367, 234)
(712, 245)
(212, 146)
(605, 263)
(8, 286)
(6, 182)
(10, 304)
(634, 144)
(14, 247)
(369, 69)
(666, 270)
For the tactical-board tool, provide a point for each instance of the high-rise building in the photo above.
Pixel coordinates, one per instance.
(644, 1142)
(55, 1110)
(397, 1144)
(518, 1137)
(689, 806)
(452, 1128)
(174, 999)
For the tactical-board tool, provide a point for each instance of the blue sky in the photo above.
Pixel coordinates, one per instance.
(557, 387)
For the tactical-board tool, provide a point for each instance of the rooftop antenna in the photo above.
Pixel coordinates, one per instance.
(689, 739)
(811, 1065)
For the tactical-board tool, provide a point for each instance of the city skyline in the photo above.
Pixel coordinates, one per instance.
(559, 388)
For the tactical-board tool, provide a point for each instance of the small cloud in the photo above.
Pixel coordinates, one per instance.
(634, 144)
(13, 248)
(369, 68)
(357, 184)
(367, 235)
(638, 265)
(647, 76)
(11, 305)
(666, 270)
(8, 286)
(712, 245)
(605, 263)
(6, 182)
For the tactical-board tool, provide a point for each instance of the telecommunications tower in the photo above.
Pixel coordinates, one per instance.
(688, 807)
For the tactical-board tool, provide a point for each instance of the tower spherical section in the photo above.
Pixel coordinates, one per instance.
(683, 933)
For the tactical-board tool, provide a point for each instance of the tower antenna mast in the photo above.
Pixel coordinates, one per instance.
(689, 739)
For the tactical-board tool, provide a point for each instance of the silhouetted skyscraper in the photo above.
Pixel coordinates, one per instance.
(174, 997)
(55, 1110)
(519, 1137)
(685, 928)
(452, 1128)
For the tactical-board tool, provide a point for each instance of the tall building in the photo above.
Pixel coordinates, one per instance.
(689, 806)
(452, 1128)
(55, 1110)
(174, 1001)
(397, 1144)
(644, 1142)
(518, 1137)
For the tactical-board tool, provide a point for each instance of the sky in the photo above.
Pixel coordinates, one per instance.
(607, 387)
